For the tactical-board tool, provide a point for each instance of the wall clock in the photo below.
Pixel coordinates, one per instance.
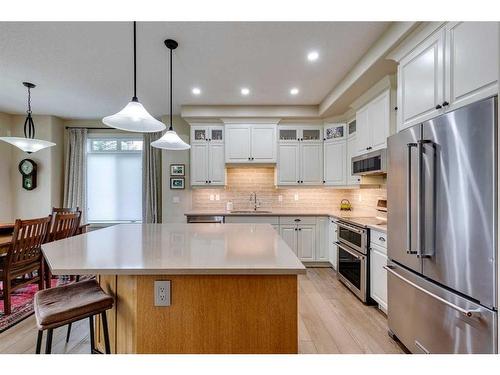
(27, 167)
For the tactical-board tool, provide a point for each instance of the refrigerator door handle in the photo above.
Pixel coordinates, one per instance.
(408, 200)
(467, 313)
(421, 249)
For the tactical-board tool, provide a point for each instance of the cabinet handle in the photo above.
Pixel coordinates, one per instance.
(324, 139)
(296, 220)
(445, 103)
(324, 181)
(300, 228)
(395, 108)
(206, 182)
(438, 106)
(381, 239)
(298, 182)
(295, 229)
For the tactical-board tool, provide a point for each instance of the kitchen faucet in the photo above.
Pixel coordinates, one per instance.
(253, 197)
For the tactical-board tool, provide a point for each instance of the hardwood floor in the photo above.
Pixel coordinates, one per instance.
(331, 320)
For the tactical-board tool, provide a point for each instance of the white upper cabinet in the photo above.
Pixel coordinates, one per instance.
(238, 145)
(335, 163)
(446, 67)
(471, 61)
(421, 81)
(288, 163)
(251, 143)
(373, 124)
(300, 155)
(207, 155)
(311, 166)
(351, 151)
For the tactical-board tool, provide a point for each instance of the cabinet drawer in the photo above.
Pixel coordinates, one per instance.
(309, 220)
(273, 220)
(378, 248)
(378, 238)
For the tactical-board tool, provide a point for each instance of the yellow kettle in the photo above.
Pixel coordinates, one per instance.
(345, 205)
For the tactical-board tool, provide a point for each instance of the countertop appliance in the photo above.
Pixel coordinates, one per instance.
(205, 219)
(352, 258)
(442, 233)
(372, 163)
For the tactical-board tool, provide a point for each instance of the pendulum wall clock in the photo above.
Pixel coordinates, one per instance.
(27, 167)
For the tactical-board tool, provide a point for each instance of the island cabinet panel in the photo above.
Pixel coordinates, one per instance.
(209, 314)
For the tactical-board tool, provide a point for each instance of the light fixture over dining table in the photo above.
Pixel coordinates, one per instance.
(29, 143)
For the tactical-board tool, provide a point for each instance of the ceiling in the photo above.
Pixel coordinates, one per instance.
(84, 69)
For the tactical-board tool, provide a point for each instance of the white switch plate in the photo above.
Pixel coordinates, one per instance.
(296, 196)
(212, 197)
(176, 199)
(162, 293)
(217, 197)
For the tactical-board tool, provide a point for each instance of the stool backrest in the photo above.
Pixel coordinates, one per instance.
(27, 240)
(64, 225)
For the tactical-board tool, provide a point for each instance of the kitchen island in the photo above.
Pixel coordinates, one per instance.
(233, 287)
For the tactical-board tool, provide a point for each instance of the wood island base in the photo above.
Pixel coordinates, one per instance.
(209, 314)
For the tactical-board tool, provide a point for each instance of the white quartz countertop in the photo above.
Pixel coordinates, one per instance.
(174, 249)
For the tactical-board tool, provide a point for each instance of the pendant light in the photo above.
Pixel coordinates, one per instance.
(134, 117)
(170, 140)
(28, 144)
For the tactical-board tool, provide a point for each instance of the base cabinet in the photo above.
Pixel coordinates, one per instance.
(378, 275)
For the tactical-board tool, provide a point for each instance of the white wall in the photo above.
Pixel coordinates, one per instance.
(174, 212)
(5, 167)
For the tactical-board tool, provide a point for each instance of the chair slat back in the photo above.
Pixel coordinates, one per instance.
(64, 225)
(27, 240)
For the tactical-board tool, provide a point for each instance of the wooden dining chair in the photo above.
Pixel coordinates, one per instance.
(24, 257)
(64, 224)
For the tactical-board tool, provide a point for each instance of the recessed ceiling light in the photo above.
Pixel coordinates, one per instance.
(312, 56)
(245, 91)
(294, 91)
(196, 91)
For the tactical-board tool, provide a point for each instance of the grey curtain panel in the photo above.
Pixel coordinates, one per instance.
(151, 180)
(75, 176)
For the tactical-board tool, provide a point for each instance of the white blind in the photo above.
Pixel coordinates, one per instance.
(114, 179)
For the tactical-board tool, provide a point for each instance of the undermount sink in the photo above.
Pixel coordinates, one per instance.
(250, 212)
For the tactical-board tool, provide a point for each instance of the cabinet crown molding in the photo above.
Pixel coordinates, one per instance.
(246, 120)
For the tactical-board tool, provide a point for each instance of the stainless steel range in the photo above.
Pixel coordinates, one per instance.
(352, 258)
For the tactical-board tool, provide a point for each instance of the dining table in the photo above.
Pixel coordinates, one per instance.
(6, 230)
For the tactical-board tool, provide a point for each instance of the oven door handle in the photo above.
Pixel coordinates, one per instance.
(352, 252)
(467, 313)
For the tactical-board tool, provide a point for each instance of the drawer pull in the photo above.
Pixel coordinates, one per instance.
(381, 239)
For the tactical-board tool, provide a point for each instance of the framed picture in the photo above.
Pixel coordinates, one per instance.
(177, 169)
(176, 182)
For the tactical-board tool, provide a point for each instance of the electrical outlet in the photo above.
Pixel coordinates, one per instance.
(280, 198)
(176, 200)
(211, 197)
(296, 196)
(162, 293)
(217, 197)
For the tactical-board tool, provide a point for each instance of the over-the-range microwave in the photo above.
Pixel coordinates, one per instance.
(372, 163)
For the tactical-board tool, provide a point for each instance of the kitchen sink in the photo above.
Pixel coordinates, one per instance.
(250, 212)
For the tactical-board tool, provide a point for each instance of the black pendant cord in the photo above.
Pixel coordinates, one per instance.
(171, 126)
(134, 99)
(29, 126)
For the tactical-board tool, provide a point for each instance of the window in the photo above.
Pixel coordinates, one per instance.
(114, 179)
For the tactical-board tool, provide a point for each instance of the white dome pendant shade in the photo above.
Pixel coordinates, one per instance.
(170, 140)
(29, 143)
(134, 117)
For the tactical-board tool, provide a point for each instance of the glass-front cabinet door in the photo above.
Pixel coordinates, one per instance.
(288, 134)
(351, 128)
(199, 134)
(334, 132)
(312, 134)
(216, 134)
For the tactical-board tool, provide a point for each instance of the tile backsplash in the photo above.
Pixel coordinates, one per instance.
(243, 181)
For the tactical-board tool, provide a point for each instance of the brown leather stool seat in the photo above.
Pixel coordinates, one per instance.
(65, 304)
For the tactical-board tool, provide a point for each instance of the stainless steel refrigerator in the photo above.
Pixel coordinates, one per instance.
(442, 232)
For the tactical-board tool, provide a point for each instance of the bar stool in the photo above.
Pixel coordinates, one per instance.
(65, 304)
